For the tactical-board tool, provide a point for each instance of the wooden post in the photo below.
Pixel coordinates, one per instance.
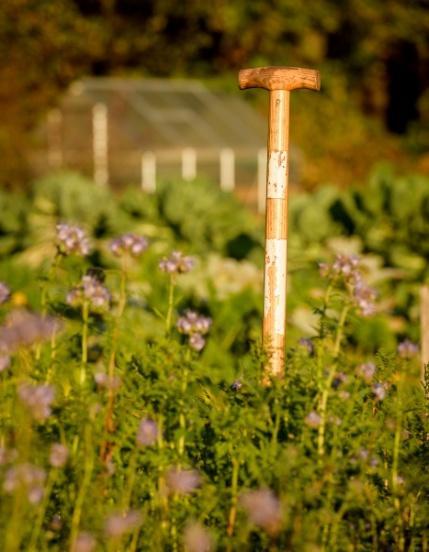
(424, 326)
(227, 169)
(100, 144)
(279, 81)
(261, 183)
(189, 164)
(148, 172)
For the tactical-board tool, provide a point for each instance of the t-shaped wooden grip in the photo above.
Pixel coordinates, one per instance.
(279, 78)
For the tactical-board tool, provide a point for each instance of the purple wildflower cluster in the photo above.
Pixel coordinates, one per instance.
(407, 349)
(58, 455)
(263, 508)
(72, 240)
(23, 328)
(348, 267)
(108, 382)
(196, 538)
(4, 293)
(129, 244)
(177, 263)
(147, 433)
(92, 291)
(37, 399)
(366, 371)
(313, 419)
(182, 481)
(119, 524)
(85, 542)
(194, 325)
(28, 477)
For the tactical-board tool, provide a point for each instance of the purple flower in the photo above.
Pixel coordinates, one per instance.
(313, 419)
(196, 538)
(379, 390)
(130, 244)
(339, 378)
(364, 297)
(4, 293)
(308, 344)
(37, 399)
(182, 481)
(119, 524)
(237, 385)
(194, 325)
(58, 455)
(177, 263)
(71, 239)
(147, 433)
(347, 265)
(407, 349)
(197, 342)
(104, 380)
(26, 476)
(23, 328)
(366, 371)
(263, 509)
(91, 290)
(4, 362)
(85, 542)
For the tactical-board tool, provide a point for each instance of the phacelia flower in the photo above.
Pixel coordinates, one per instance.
(120, 524)
(407, 349)
(37, 399)
(4, 293)
(379, 390)
(4, 362)
(72, 240)
(236, 385)
(177, 263)
(91, 290)
(147, 433)
(364, 297)
(197, 342)
(196, 538)
(182, 481)
(130, 244)
(23, 328)
(104, 380)
(85, 542)
(263, 508)
(58, 455)
(26, 476)
(308, 344)
(194, 325)
(313, 419)
(366, 371)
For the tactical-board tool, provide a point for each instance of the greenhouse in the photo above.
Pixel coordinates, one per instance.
(137, 131)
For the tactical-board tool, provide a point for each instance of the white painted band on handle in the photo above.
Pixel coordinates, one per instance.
(275, 283)
(277, 174)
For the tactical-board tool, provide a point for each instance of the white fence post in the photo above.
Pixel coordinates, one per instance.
(189, 164)
(100, 144)
(55, 152)
(262, 171)
(148, 172)
(227, 170)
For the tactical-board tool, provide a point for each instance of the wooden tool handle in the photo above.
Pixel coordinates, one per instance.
(279, 78)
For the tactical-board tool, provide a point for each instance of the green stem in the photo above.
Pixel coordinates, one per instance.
(234, 496)
(32, 547)
(340, 330)
(182, 417)
(131, 478)
(83, 489)
(169, 317)
(323, 412)
(84, 359)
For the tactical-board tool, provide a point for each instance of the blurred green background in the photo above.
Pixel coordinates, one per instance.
(373, 56)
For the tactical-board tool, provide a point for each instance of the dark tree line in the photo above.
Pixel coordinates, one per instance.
(377, 49)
